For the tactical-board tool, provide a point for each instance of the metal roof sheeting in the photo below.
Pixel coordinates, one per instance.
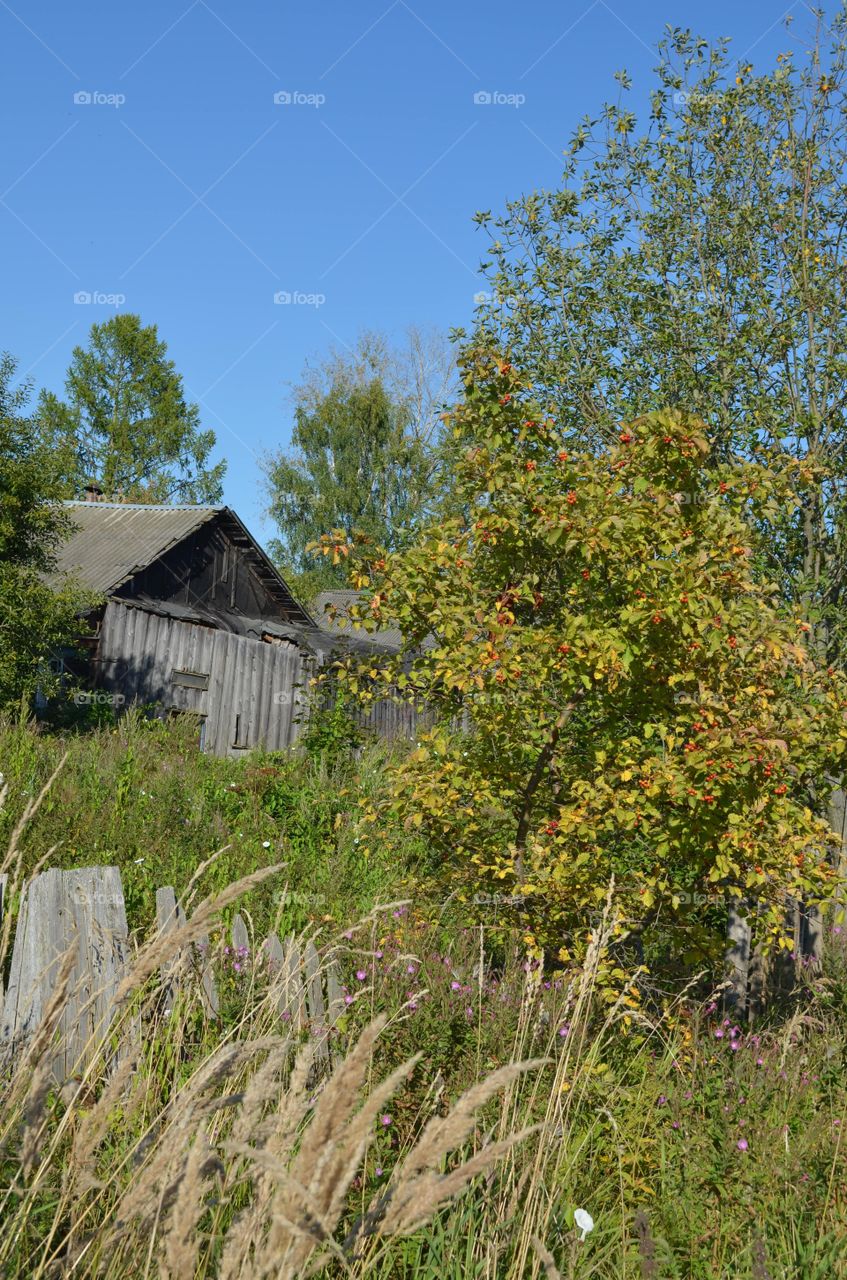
(341, 625)
(112, 541)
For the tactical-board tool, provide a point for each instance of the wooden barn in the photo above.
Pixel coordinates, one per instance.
(197, 619)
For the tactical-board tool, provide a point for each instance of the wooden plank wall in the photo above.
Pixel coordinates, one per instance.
(261, 684)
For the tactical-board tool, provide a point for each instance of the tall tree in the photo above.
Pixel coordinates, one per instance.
(636, 703)
(700, 261)
(35, 620)
(364, 451)
(126, 424)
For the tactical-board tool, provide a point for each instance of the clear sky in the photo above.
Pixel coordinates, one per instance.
(144, 157)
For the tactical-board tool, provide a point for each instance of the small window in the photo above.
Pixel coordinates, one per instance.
(191, 679)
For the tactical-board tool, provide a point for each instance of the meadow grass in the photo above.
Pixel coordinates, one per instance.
(473, 1103)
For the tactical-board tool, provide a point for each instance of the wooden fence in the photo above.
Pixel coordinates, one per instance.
(83, 910)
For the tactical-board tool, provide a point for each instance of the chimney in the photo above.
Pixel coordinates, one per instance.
(93, 492)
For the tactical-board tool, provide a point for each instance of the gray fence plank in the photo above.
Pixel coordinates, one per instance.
(240, 936)
(60, 910)
(169, 916)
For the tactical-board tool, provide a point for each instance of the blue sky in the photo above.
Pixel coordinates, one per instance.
(178, 183)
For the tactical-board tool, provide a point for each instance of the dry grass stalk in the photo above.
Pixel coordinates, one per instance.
(550, 1269)
(179, 1247)
(165, 945)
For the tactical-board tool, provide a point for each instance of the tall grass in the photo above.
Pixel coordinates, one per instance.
(470, 1105)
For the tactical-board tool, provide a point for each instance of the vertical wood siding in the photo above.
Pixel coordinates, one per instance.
(261, 684)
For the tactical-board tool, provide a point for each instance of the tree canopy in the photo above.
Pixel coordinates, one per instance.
(362, 455)
(126, 425)
(35, 620)
(697, 260)
(637, 702)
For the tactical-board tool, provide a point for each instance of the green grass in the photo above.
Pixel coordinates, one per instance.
(138, 795)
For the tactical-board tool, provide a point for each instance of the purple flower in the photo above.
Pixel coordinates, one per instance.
(455, 986)
(385, 1121)
(361, 974)
(734, 1045)
(378, 955)
(378, 1171)
(742, 1144)
(661, 1100)
(411, 968)
(348, 999)
(565, 1030)
(719, 1034)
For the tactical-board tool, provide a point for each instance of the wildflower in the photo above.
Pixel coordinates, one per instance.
(385, 1121)
(742, 1144)
(661, 1100)
(584, 1221)
(378, 1171)
(266, 844)
(455, 986)
(348, 999)
(565, 1030)
(719, 1034)
(378, 955)
(361, 975)
(411, 968)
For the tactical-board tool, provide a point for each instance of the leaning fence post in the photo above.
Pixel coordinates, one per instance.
(738, 957)
(169, 917)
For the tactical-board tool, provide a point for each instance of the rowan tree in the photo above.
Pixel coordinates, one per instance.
(616, 688)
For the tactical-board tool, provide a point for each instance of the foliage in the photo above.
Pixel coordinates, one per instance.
(636, 706)
(126, 425)
(35, 620)
(698, 261)
(362, 454)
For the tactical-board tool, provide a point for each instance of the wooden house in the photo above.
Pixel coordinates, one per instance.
(196, 618)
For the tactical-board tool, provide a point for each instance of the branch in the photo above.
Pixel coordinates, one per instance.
(539, 769)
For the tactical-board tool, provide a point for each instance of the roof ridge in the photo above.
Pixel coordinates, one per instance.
(145, 506)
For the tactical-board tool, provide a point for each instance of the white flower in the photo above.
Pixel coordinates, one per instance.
(266, 844)
(583, 1219)
(138, 860)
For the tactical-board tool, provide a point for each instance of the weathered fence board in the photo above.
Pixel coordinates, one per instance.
(60, 910)
(84, 910)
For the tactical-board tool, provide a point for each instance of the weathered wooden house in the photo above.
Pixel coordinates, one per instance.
(197, 619)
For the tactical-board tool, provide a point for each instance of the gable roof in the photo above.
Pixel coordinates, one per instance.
(112, 541)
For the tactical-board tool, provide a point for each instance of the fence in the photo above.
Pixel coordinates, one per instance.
(82, 912)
